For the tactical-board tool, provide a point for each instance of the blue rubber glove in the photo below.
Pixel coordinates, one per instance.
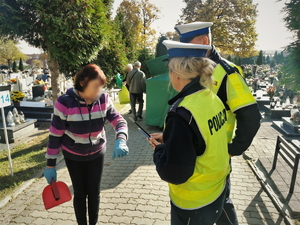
(120, 149)
(50, 173)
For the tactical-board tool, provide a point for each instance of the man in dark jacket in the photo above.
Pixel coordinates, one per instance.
(136, 81)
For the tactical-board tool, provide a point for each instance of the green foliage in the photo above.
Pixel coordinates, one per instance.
(260, 57)
(250, 60)
(160, 48)
(229, 58)
(112, 58)
(140, 15)
(144, 56)
(268, 60)
(3, 67)
(14, 67)
(127, 34)
(234, 21)
(239, 61)
(72, 32)
(21, 66)
(273, 63)
(9, 51)
(290, 68)
(279, 57)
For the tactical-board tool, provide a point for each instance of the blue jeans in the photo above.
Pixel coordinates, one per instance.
(206, 215)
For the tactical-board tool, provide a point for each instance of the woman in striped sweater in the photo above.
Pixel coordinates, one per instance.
(78, 129)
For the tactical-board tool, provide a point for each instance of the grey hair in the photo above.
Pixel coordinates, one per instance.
(129, 66)
(191, 67)
(137, 64)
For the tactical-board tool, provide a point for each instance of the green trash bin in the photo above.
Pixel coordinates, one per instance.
(159, 91)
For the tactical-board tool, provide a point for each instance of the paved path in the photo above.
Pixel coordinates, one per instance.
(262, 151)
(132, 193)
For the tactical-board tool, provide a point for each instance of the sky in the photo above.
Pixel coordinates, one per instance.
(272, 34)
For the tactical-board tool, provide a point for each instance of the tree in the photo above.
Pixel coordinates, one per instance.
(239, 61)
(160, 47)
(128, 36)
(15, 68)
(234, 23)
(290, 68)
(268, 60)
(229, 58)
(112, 58)
(70, 32)
(279, 57)
(273, 63)
(140, 15)
(260, 57)
(149, 14)
(21, 66)
(144, 56)
(174, 36)
(36, 63)
(9, 51)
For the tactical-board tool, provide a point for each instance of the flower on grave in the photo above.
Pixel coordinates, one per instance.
(38, 82)
(14, 81)
(16, 96)
(271, 91)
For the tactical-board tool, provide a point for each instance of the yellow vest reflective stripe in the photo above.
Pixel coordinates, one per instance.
(238, 95)
(211, 168)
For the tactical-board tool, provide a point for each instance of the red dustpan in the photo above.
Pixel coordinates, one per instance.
(55, 194)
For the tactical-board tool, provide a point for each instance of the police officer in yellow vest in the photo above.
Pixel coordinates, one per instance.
(192, 155)
(243, 113)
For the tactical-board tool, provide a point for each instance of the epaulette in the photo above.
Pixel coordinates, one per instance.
(185, 114)
(228, 68)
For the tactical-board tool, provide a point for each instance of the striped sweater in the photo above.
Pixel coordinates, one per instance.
(78, 128)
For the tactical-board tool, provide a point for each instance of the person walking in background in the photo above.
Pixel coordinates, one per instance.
(136, 81)
(128, 68)
(192, 153)
(78, 129)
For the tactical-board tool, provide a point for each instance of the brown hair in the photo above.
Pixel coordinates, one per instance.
(86, 74)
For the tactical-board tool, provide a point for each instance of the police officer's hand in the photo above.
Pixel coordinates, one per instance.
(158, 137)
(153, 142)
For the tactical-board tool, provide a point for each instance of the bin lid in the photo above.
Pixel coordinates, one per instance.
(157, 66)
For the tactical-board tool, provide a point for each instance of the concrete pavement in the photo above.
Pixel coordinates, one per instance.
(133, 193)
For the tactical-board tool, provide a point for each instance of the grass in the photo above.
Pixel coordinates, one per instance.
(28, 158)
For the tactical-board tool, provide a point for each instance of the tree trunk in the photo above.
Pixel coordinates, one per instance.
(55, 81)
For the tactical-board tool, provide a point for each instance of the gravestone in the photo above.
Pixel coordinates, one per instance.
(23, 85)
(18, 132)
(288, 127)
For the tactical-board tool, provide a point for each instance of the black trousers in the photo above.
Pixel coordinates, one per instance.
(133, 98)
(86, 178)
(228, 215)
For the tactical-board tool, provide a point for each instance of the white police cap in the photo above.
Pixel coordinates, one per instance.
(188, 31)
(178, 49)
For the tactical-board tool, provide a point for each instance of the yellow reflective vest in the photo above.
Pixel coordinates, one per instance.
(238, 95)
(211, 169)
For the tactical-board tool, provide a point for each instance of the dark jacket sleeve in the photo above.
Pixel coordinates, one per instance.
(248, 123)
(175, 159)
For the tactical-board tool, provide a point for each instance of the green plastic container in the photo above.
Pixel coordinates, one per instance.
(159, 92)
(157, 66)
